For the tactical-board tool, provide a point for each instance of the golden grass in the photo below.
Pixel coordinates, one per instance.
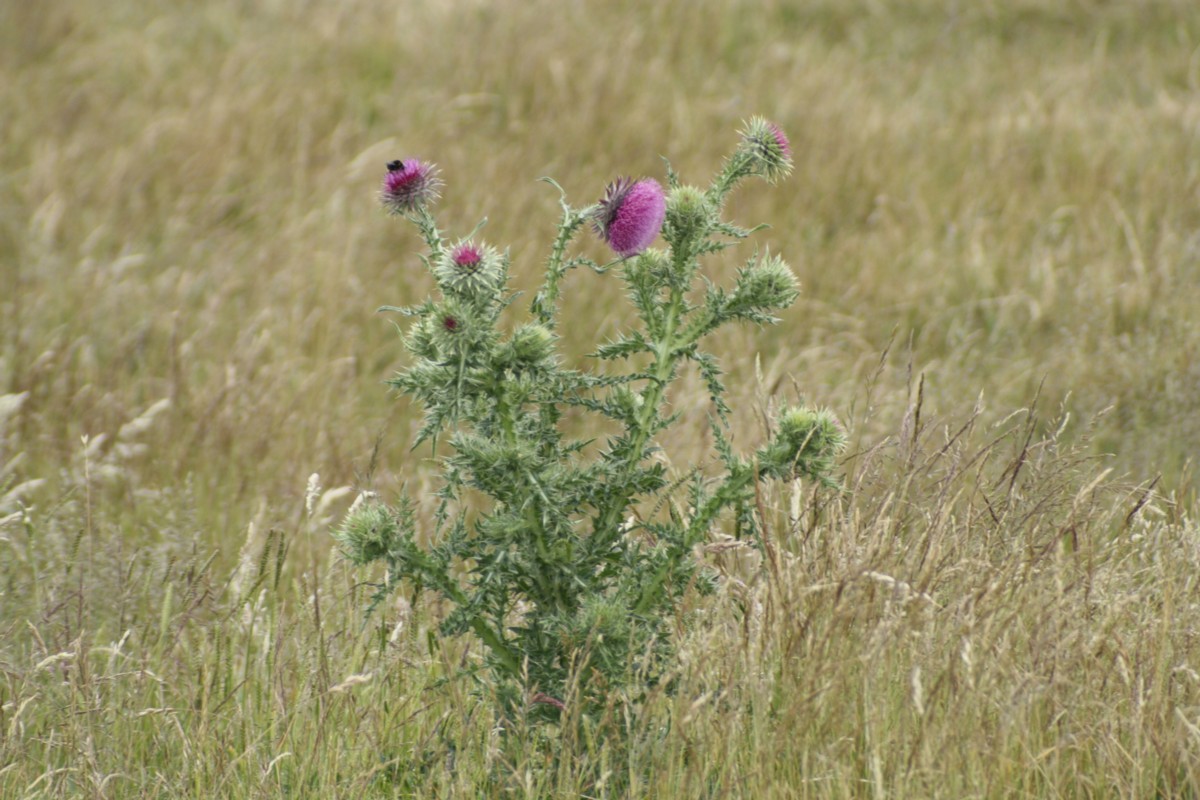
(1002, 196)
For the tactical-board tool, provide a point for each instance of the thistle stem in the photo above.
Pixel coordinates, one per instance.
(736, 168)
(547, 298)
(427, 225)
(666, 353)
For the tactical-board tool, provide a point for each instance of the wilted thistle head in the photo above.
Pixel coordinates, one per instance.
(807, 444)
(470, 270)
(409, 185)
(630, 215)
(768, 148)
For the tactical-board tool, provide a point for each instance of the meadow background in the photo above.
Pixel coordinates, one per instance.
(995, 220)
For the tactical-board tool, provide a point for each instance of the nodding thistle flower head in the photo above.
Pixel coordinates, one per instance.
(469, 270)
(409, 185)
(768, 148)
(630, 215)
(807, 444)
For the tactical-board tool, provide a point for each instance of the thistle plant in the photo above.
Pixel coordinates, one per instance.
(581, 551)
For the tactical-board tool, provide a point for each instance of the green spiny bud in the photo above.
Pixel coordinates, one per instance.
(653, 262)
(455, 327)
(689, 213)
(532, 344)
(807, 444)
(768, 149)
(421, 340)
(628, 402)
(768, 284)
(369, 531)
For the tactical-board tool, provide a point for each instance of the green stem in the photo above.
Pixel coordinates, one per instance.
(544, 303)
(736, 168)
(504, 411)
(532, 501)
(729, 492)
(427, 225)
(438, 579)
(665, 355)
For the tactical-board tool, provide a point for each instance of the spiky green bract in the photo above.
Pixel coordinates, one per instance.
(530, 346)
(806, 445)
(767, 284)
(570, 559)
(689, 214)
(372, 530)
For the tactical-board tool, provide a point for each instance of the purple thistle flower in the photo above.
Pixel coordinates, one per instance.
(409, 185)
(450, 323)
(469, 270)
(630, 215)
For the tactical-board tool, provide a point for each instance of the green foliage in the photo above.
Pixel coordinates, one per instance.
(570, 573)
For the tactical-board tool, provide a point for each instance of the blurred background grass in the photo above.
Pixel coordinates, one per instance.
(1001, 195)
(188, 196)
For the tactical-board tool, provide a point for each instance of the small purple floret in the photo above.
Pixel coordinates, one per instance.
(467, 257)
(631, 215)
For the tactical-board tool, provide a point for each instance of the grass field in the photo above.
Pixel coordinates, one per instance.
(995, 218)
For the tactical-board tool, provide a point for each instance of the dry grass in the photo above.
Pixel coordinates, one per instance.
(1003, 196)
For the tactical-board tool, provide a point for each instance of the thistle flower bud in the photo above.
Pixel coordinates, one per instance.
(688, 212)
(421, 340)
(768, 284)
(650, 261)
(768, 149)
(628, 402)
(532, 344)
(807, 444)
(765, 286)
(455, 327)
(470, 271)
(409, 185)
(367, 532)
(630, 215)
